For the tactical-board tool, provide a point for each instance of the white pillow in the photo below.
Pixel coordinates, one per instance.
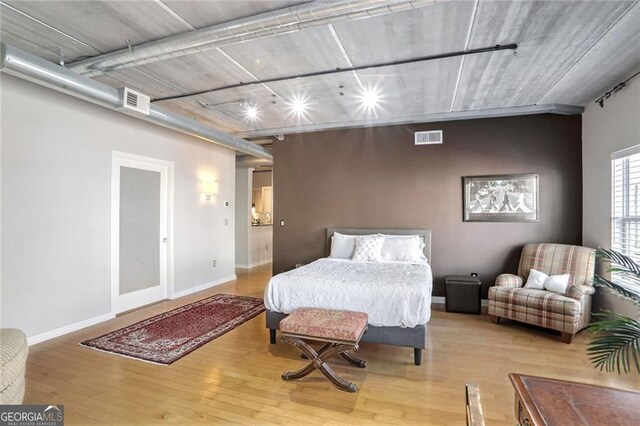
(368, 249)
(422, 244)
(536, 280)
(405, 249)
(342, 246)
(557, 283)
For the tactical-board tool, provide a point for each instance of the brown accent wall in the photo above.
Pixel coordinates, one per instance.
(377, 177)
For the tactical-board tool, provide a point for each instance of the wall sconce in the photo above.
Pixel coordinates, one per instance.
(209, 188)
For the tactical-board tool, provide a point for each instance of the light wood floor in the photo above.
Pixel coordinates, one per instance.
(236, 378)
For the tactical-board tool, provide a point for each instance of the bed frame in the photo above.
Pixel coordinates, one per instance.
(415, 337)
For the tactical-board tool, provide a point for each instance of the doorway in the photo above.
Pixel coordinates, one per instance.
(141, 207)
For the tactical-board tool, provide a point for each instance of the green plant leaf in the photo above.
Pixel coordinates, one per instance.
(615, 345)
(603, 282)
(625, 263)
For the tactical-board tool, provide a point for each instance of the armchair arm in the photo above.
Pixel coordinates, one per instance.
(578, 291)
(509, 280)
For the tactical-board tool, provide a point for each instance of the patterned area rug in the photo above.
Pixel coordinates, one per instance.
(167, 337)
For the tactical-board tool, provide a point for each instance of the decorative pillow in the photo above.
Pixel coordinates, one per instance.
(536, 280)
(342, 246)
(557, 283)
(402, 248)
(368, 249)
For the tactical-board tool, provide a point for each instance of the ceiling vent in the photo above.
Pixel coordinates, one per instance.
(430, 137)
(133, 101)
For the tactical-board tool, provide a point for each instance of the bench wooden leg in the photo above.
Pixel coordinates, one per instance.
(338, 381)
(318, 361)
(298, 374)
(360, 363)
(272, 336)
(320, 351)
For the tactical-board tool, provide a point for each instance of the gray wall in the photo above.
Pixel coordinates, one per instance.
(605, 131)
(139, 229)
(262, 178)
(56, 167)
(377, 177)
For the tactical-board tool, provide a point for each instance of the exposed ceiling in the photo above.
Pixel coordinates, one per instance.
(568, 53)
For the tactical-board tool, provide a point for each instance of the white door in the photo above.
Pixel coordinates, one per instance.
(140, 231)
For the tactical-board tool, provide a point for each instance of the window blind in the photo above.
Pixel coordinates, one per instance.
(625, 209)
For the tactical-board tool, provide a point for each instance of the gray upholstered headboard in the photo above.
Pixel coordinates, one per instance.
(425, 234)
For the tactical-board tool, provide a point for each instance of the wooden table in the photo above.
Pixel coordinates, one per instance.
(544, 401)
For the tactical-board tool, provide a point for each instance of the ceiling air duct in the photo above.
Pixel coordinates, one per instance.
(135, 101)
(37, 70)
(268, 24)
(429, 137)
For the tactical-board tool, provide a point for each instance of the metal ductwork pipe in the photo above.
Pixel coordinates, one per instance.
(291, 19)
(35, 69)
(245, 161)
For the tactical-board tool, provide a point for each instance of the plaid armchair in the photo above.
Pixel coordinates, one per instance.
(567, 313)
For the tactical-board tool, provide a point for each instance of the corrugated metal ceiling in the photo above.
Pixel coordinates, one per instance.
(569, 52)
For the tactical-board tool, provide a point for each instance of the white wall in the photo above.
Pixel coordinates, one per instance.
(260, 245)
(56, 159)
(243, 214)
(253, 243)
(604, 131)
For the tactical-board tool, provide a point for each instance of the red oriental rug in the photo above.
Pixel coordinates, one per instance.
(165, 338)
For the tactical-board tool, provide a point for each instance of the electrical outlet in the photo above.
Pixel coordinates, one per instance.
(215, 263)
(282, 223)
(226, 221)
(266, 247)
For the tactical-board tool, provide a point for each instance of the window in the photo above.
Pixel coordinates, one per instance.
(625, 209)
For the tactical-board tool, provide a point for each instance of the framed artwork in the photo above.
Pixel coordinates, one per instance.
(501, 198)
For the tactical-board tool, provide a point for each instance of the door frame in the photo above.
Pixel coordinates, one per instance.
(166, 168)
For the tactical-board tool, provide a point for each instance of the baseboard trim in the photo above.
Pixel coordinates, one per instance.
(201, 287)
(47, 335)
(253, 265)
(440, 300)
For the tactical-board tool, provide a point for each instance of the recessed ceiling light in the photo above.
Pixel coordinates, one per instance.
(298, 105)
(251, 111)
(370, 98)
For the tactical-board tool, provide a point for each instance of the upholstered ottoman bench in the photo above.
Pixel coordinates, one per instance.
(13, 358)
(340, 331)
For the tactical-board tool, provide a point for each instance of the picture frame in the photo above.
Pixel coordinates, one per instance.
(501, 198)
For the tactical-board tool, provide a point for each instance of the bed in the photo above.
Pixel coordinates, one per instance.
(395, 295)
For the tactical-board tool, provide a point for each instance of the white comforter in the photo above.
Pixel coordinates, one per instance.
(391, 293)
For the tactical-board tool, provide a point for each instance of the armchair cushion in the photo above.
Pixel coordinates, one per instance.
(578, 291)
(558, 259)
(509, 280)
(540, 300)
